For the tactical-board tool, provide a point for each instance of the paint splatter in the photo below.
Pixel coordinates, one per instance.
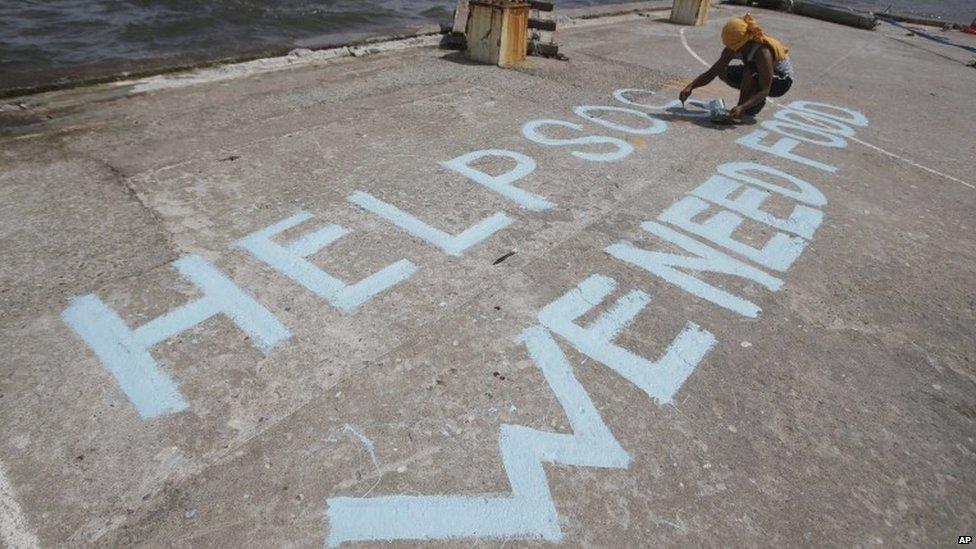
(366, 442)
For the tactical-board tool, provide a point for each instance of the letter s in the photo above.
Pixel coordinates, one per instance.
(531, 132)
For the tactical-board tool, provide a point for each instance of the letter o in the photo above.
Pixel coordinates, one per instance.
(835, 112)
(619, 95)
(819, 121)
(657, 126)
(833, 140)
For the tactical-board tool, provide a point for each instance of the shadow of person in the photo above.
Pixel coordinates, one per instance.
(699, 117)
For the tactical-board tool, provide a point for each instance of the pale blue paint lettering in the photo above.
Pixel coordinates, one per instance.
(848, 116)
(673, 107)
(706, 258)
(451, 244)
(529, 512)
(502, 184)
(531, 132)
(806, 193)
(151, 390)
(718, 189)
(790, 129)
(124, 352)
(819, 121)
(621, 95)
(783, 148)
(779, 252)
(657, 126)
(290, 259)
(611, 322)
(659, 379)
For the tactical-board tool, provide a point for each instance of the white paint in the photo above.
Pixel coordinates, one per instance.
(855, 118)
(684, 42)
(451, 244)
(124, 352)
(366, 442)
(783, 148)
(790, 129)
(290, 259)
(621, 95)
(842, 114)
(529, 512)
(531, 132)
(673, 107)
(659, 379)
(778, 253)
(913, 163)
(802, 221)
(502, 183)
(805, 192)
(15, 530)
(656, 126)
(705, 258)
(819, 121)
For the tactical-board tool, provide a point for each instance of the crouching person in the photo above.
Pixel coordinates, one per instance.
(765, 70)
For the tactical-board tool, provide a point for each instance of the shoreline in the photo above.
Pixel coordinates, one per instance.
(423, 36)
(100, 73)
(92, 75)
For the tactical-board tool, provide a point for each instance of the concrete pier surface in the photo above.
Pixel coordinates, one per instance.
(396, 299)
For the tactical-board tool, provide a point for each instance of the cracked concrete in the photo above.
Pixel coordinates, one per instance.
(843, 415)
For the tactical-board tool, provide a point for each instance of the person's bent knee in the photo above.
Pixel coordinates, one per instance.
(732, 75)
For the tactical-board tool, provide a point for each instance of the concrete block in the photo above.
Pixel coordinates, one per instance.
(690, 12)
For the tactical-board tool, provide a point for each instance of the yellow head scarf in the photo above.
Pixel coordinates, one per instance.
(740, 31)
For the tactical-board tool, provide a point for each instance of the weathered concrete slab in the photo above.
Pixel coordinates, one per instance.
(824, 398)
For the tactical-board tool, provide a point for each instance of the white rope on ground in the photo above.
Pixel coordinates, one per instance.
(911, 163)
(684, 42)
(15, 531)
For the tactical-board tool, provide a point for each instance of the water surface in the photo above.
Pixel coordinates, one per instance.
(42, 39)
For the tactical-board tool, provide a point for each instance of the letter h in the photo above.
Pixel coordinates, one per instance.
(124, 351)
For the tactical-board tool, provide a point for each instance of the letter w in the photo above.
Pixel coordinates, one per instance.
(529, 511)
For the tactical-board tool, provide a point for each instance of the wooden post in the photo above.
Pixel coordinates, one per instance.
(690, 12)
(542, 30)
(497, 31)
(460, 17)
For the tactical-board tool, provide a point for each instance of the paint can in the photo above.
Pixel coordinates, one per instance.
(718, 113)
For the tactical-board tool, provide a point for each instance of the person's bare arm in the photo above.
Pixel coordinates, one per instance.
(764, 66)
(706, 77)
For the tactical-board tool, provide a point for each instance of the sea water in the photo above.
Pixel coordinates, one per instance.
(57, 35)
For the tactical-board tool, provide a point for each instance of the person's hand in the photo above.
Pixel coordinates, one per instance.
(685, 94)
(736, 112)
